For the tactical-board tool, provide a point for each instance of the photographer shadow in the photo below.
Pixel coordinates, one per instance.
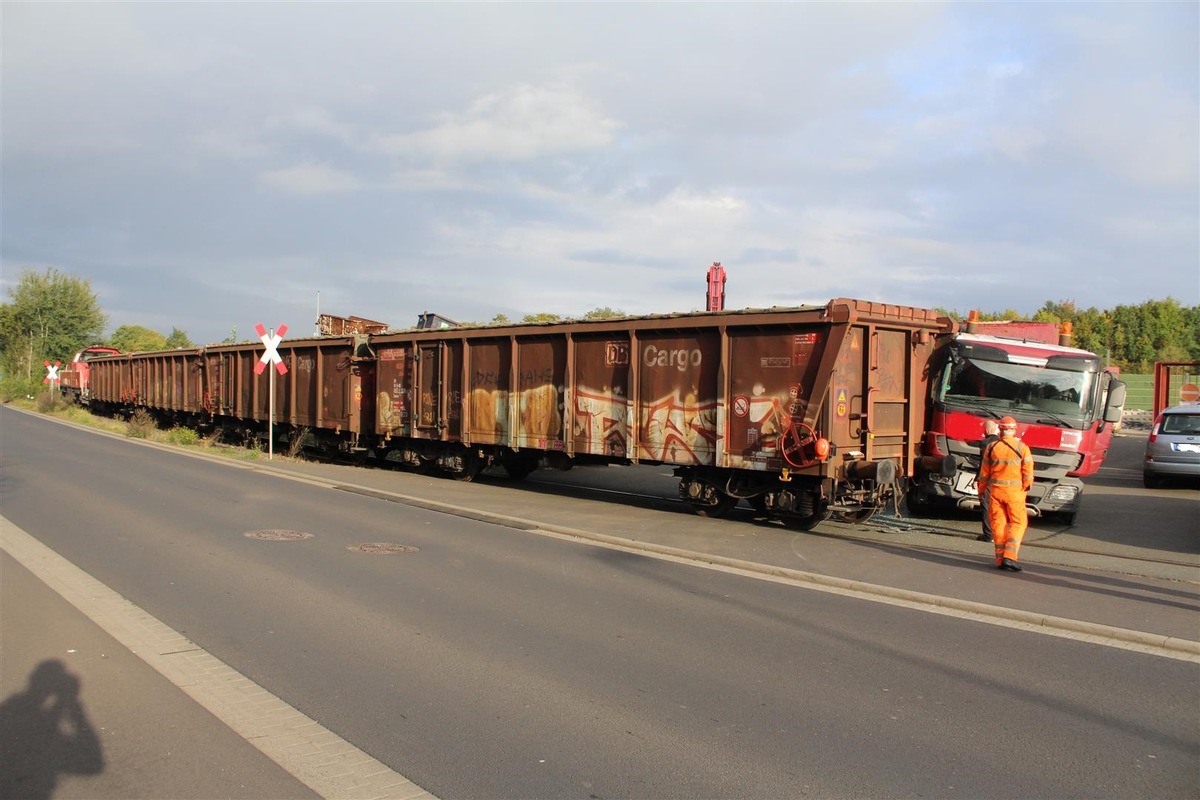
(45, 733)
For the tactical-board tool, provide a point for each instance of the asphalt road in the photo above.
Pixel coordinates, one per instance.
(487, 660)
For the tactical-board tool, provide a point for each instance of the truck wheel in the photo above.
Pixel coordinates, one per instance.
(918, 505)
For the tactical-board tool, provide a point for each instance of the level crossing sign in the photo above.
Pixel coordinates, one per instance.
(51, 372)
(271, 354)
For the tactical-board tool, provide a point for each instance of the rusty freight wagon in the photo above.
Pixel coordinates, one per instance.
(801, 412)
(326, 392)
(170, 382)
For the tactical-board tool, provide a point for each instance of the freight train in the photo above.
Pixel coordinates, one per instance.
(801, 412)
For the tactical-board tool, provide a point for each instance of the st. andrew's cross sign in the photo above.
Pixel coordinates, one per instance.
(271, 354)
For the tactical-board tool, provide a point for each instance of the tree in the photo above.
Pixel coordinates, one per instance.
(51, 317)
(1131, 337)
(178, 338)
(137, 339)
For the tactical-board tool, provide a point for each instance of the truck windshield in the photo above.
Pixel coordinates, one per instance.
(1065, 396)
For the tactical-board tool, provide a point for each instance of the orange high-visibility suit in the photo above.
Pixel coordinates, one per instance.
(1007, 474)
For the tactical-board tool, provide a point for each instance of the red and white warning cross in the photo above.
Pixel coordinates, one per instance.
(51, 372)
(271, 354)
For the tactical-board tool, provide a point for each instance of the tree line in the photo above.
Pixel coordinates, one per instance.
(50, 316)
(1131, 337)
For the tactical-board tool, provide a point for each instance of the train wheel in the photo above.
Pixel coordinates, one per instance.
(470, 471)
(720, 507)
(519, 470)
(856, 517)
(809, 522)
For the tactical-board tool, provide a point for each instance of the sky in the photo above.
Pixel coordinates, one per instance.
(213, 166)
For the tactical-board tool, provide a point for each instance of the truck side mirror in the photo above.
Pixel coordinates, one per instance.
(1114, 407)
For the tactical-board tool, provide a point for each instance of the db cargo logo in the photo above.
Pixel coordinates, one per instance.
(680, 359)
(616, 354)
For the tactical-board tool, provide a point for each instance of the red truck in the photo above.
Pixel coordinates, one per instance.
(1065, 404)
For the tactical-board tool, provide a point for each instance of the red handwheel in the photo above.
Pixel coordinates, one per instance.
(802, 447)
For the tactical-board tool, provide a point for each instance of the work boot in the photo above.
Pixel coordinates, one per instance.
(983, 537)
(1009, 564)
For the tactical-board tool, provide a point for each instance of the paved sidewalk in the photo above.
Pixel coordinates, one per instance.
(132, 732)
(104, 701)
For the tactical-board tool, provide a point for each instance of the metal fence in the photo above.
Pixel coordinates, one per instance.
(1139, 400)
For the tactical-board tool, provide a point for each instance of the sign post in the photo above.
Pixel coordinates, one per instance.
(52, 375)
(270, 356)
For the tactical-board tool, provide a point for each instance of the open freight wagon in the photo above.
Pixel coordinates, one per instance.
(326, 392)
(801, 412)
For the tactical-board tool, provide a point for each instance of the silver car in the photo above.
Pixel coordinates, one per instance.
(1173, 449)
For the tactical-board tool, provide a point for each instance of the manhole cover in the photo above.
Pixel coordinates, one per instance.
(383, 548)
(277, 535)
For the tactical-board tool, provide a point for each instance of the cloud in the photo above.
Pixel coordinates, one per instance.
(310, 180)
(519, 123)
(605, 155)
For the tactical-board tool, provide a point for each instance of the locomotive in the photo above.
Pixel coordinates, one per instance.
(74, 381)
(802, 412)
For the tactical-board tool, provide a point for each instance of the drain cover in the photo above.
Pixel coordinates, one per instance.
(383, 548)
(277, 535)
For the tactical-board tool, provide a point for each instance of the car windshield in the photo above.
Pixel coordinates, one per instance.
(1180, 424)
(1066, 395)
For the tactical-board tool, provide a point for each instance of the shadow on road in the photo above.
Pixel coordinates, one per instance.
(44, 733)
(1175, 596)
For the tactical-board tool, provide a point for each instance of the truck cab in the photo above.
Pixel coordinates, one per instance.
(1064, 402)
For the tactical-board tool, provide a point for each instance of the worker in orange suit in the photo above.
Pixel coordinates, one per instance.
(1006, 474)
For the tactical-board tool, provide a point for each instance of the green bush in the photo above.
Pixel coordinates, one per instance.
(140, 424)
(50, 402)
(182, 436)
(13, 387)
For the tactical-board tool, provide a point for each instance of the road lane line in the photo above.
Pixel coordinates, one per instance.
(314, 755)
